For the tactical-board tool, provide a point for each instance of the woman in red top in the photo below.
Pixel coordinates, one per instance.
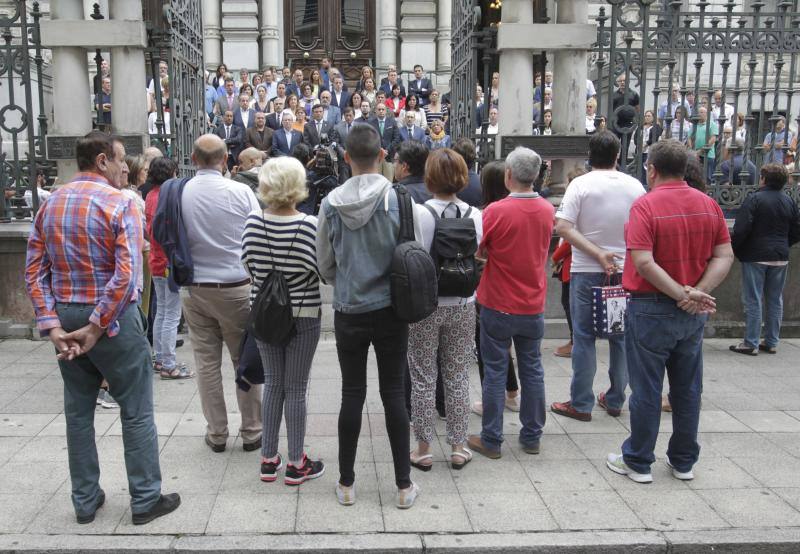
(168, 302)
(395, 102)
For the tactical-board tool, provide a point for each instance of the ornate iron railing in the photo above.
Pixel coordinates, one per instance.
(736, 59)
(175, 35)
(22, 116)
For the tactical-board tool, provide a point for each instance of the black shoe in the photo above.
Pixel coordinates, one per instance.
(250, 446)
(88, 518)
(166, 504)
(299, 475)
(215, 447)
(178, 343)
(269, 470)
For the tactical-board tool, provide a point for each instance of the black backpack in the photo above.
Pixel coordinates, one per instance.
(413, 275)
(271, 319)
(455, 242)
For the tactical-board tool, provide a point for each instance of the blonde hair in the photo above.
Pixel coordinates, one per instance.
(282, 182)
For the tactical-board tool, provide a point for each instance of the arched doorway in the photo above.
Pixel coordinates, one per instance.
(342, 30)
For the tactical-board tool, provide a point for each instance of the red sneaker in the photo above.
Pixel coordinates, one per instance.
(601, 401)
(566, 409)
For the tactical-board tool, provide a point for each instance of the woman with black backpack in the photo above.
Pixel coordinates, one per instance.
(452, 231)
(279, 253)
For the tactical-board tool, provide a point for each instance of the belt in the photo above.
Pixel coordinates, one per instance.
(221, 285)
(651, 297)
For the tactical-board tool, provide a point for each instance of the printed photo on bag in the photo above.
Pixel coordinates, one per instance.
(615, 314)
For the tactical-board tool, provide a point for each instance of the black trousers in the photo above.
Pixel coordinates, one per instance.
(389, 337)
(511, 379)
(565, 305)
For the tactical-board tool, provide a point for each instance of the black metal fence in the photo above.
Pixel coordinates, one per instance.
(722, 79)
(22, 115)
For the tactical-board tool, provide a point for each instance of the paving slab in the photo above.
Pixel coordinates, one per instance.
(674, 510)
(590, 510)
(752, 508)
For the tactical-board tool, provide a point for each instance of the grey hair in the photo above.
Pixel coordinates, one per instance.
(524, 164)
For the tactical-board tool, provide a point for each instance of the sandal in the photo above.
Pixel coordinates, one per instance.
(180, 371)
(465, 454)
(742, 348)
(415, 461)
(767, 349)
(158, 367)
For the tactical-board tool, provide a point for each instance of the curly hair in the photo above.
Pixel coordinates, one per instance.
(282, 182)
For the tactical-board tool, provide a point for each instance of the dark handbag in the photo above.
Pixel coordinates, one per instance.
(249, 370)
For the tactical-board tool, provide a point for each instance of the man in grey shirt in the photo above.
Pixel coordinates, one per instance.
(214, 212)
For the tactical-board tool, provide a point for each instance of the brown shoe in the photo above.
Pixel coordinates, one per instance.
(566, 409)
(475, 443)
(564, 351)
(601, 401)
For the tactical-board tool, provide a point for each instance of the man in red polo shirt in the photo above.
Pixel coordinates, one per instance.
(516, 239)
(678, 251)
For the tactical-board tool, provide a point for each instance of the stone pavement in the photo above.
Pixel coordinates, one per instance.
(746, 490)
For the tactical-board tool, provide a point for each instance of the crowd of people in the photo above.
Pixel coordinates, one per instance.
(262, 224)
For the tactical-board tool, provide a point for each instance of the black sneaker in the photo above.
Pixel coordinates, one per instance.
(166, 504)
(269, 470)
(299, 475)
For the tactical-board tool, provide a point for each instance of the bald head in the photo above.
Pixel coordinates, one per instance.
(209, 152)
(250, 158)
(151, 153)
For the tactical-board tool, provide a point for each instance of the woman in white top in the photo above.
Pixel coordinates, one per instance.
(591, 108)
(412, 105)
(281, 238)
(680, 129)
(447, 334)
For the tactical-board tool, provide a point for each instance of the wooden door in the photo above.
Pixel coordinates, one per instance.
(342, 30)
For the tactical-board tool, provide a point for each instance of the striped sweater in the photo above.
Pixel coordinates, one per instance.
(291, 240)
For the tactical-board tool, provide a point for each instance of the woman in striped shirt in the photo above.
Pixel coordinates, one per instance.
(283, 239)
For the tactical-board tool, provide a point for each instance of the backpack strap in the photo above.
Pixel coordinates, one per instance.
(433, 212)
(406, 214)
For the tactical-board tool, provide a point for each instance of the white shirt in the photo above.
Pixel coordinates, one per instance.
(152, 128)
(42, 194)
(598, 205)
(716, 110)
(245, 117)
(427, 225)
(215, 210)
(288, 138)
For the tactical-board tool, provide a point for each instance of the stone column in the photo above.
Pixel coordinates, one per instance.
(387, 34)
(418, 33)
(515, 116)
(569, 87)
(241, 29)
(72, 98)
(212, 35)
(129, 84)
(270, 35)
(443, 62)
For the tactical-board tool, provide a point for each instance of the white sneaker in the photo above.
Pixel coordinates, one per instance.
(477, 408)
(616, 464)
(682, 475)
(512, 403)
(346, 495)
(406, 497)
(107, 401)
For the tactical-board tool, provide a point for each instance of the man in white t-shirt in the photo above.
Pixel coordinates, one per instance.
(592, 219)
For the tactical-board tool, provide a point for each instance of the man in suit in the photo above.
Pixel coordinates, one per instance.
(259, 135)
(296, 86)
(287, 138)
(274, 119)
(244, 116)
(226, 101)
(409, 131)
(317, 128)
(339, 96)
(331, 114)
(389, 82)
(232, 135)
(420, 86)
(390, 138)
(343, 128)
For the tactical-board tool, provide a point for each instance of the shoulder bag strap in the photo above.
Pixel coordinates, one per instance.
(406, 214)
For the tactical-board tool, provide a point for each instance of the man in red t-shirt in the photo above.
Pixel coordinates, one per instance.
(678, 251)
(512, 291)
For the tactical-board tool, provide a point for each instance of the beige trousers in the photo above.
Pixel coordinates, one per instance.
(216, 316)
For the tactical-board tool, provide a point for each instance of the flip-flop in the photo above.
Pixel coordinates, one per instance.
(466, 455)
(177, 372)
(416, 461)
(742, 349)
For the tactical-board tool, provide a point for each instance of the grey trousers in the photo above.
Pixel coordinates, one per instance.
(124, 361)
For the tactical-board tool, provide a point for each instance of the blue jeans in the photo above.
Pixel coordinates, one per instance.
(660, 335)
(762, 284)
(165, 325)
(584, 356)
(124, 361)
(497, 331)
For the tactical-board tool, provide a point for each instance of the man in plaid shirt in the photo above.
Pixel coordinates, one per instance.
(83, 275)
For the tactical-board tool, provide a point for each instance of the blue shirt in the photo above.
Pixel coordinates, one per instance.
(211, 97)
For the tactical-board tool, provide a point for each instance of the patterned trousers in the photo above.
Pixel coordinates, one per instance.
(451, 330)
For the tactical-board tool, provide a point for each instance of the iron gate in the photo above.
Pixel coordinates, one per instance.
(738, 60)
(175, 35)
(22, 118)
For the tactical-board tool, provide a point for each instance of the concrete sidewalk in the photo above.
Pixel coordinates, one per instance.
(746, 494)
